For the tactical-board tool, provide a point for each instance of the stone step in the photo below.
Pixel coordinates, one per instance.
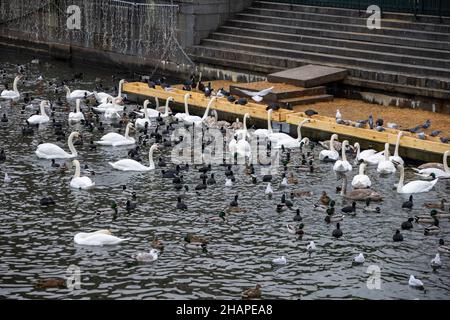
(330, 59)
(392, 32)
(308, 100)
(341, 43)
(344, 12)
(270, 64)
(328, 49)
(339, 19)
(323, 33)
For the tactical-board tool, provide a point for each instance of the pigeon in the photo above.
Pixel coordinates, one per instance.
(380, 128)
(231, 99)
(445, 140)
(222, 93)
(414, 130)
(242, 101)
(371, 121)
(310, 112)
(273, 106)
(379, 122)
(435, 133)
(426, 124)
(257, 96)
(421, 135)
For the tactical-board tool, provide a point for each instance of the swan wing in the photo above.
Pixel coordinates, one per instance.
(418, 186)
(128, 165)
(51, 151)
(81, 183)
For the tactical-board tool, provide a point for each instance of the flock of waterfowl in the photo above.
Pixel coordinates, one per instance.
(155, 127)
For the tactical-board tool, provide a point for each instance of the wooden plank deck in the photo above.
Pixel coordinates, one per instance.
(320, 123)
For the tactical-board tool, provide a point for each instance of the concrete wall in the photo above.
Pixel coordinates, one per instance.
(198, 18)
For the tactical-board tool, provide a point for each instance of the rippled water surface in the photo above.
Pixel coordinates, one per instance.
(37, 242)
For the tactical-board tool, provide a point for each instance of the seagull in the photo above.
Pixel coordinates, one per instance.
(257, 96)
(311, 246)
(7, 178)
(280, 261)
(359, 259)
(147, 256)
(269, 190)
(416, 283)
(338, 114)
(436, 262)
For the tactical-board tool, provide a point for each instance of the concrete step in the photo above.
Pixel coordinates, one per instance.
(328, 49)
(344, 12)
(339, 19)
(323, 33)
(270, 64)
(330, 59)
(341, 43)
(392, 32)
(308, 100)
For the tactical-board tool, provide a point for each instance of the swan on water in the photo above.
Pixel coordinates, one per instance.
(181, 116)
(40, 118)
(293, 143)
(102, 97)
(437, 172)
(52, 151)
(97, 238)
(386, 166)
(132, 165)
(370, 156)
(140, 123)
(13, 94)
(196, 120)
(76, 116)
(361, 181)
(79, 182)
(240, 132)
(115, 139)
(264, 133)
(332, 154)
(343, 165)
(416, 186)
(76, 94)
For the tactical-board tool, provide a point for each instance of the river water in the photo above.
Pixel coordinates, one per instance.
(37, 242)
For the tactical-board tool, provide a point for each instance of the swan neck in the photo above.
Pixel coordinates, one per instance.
(361, 169)
(150, 158)
(157, 102)
(344, 156)
(71, 146)
(332, 144)
(207, 109)
(78, 106)
(119, 94)
(397, 144)
(15, 85)
(145, 110)
(386, 153)
(269, 121)
(186, 105)
(77, 170)
(43, 113)
(166, 108)
(245, 122)
(358, 150)
(127, 132)
(446, 169)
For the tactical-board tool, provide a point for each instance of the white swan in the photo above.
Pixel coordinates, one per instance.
(274, 137)
(293, 143)
(114, 139)
(166, 108)
(108, 106)
(232, 145)
(78, 182)
(181, 116)
(437, 172)
(385, 166)
(196, 120)
(140, 123)
(40, 118)
(97, 238)
(240, 132)
(332, 154)
(102, 97)
(52, 151)
(361, 181)
(416, 186)
(13, 94)
(396, 158)
(76, 116)
(243, 148)
(76, 94)
(343, 165)
(363, 155)
(132, 165)
(264, 133)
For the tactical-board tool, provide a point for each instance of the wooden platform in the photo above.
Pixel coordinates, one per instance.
(309, 76)
(414, 148)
